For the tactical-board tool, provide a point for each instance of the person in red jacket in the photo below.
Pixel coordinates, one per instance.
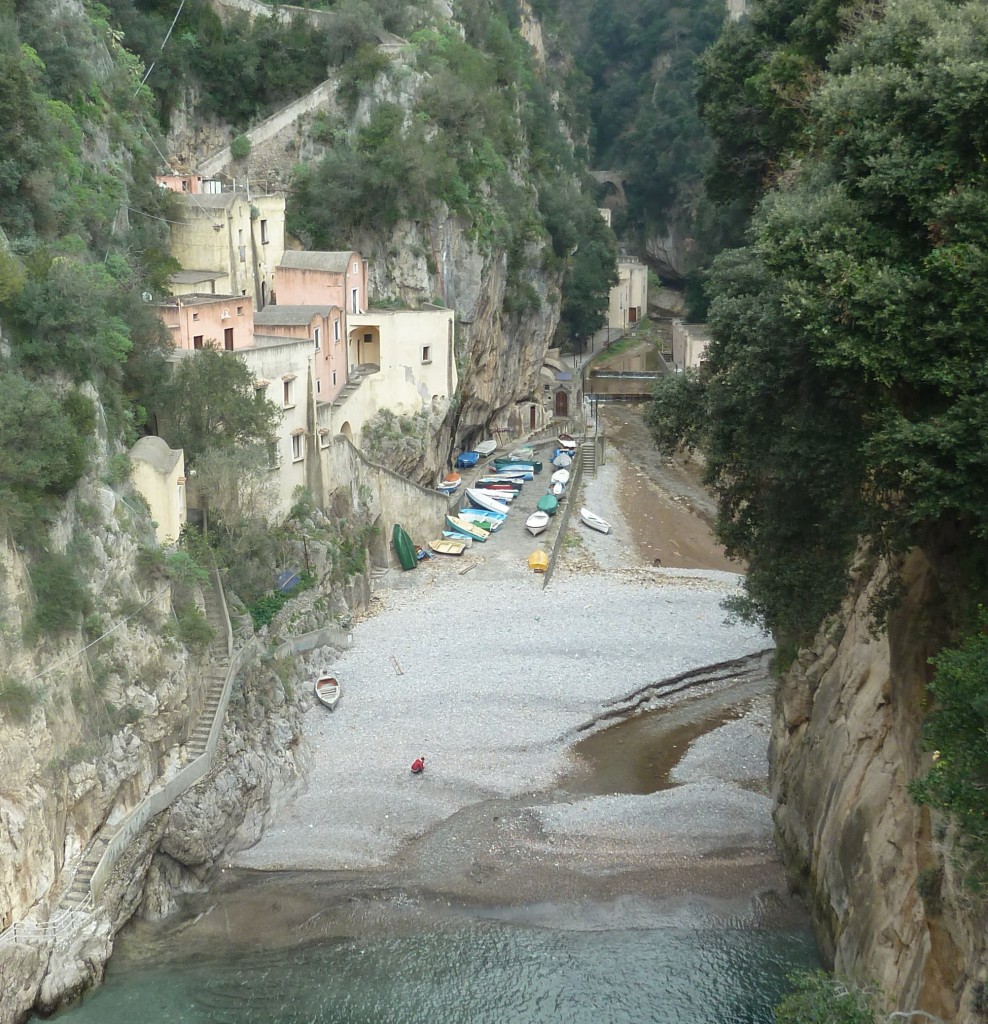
(418, 766)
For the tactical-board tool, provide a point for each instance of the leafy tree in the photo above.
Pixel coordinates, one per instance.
(820, 999)
(846, 381)
(957, 731)
(211, 403)
(46, 441)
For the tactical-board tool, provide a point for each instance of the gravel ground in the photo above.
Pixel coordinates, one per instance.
(488, 675)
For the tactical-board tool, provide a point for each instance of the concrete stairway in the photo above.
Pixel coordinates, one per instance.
(78, 895)
(588, 456)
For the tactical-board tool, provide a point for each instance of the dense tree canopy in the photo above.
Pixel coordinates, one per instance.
(845, 389)
(211, 402)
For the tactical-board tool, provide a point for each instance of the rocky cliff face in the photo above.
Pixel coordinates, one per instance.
(880, 877)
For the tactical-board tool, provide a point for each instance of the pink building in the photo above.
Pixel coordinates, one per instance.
(195, 184)
(323, 326)
(198, 320)
(322, 279)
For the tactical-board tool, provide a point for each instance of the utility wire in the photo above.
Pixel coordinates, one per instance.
(147, 74)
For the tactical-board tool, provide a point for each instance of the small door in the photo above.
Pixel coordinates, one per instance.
(562, 403)
(531, 417)
(228, 338)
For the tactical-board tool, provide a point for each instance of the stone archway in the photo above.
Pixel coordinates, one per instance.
(347, 431)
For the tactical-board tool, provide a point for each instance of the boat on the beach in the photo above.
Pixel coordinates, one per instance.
(483, 500)
(471, 530)
(524, 453)
(466, 460)
(548, 503)
(461, 537)
(562, 460)
(561, 476)
(449, 483)
(503, 496)
(557, 490)
(485, 448)
(529, 465)
(567, 441)
(538, 561)
(447, 546)
(506, 483)
(594, 521)
(537, 522)
(328, 691)
(404, 548)
(485, 520)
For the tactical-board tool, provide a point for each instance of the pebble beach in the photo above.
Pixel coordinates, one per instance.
(494, 679)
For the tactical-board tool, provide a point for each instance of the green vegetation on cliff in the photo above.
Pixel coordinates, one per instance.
(844, 394)
(476, 131)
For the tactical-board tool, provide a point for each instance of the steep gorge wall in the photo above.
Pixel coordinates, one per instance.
(845, 744)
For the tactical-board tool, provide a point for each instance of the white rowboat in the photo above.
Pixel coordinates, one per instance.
(594, 521)
(536, 523)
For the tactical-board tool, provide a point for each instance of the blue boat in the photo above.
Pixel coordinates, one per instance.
(466, 460)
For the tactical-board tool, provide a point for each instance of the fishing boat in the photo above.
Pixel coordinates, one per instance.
(328, 691)
(537, 522)
(538, 561)
(404, 548)
(461, 537)
(485, 448)
(562, 460)
(466, 460)
(461, 526)
(548, 503)
(446, 546)
(449, 483)
(594, 521)
(483, 499)
(567, 441)
(483, 513)
(529, 465)
(509, 483)
(480, 519)
(557, 490)
(524, 453)
(561, 476)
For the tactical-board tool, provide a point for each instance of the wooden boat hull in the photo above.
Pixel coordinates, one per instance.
(594, 521)
(328, 691)
(482, 500)
(461, 537)
(537, 522)
(404, 548)
(445, 546)
(470, 530)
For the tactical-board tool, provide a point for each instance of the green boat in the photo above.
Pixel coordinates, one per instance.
(404, 548)
(548, 504)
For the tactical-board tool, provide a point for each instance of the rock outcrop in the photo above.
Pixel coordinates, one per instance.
(878, 873)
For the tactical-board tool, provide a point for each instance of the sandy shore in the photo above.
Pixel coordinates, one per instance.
(493, 678)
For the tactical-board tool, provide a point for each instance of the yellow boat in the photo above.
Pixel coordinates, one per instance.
(538, 561)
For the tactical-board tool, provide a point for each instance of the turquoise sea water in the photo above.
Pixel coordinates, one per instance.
(699, 972)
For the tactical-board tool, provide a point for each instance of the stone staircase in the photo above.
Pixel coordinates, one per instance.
(78, 896)
(588, 457)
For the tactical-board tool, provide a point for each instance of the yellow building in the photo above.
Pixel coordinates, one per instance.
(158, 473)
(228, 243)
